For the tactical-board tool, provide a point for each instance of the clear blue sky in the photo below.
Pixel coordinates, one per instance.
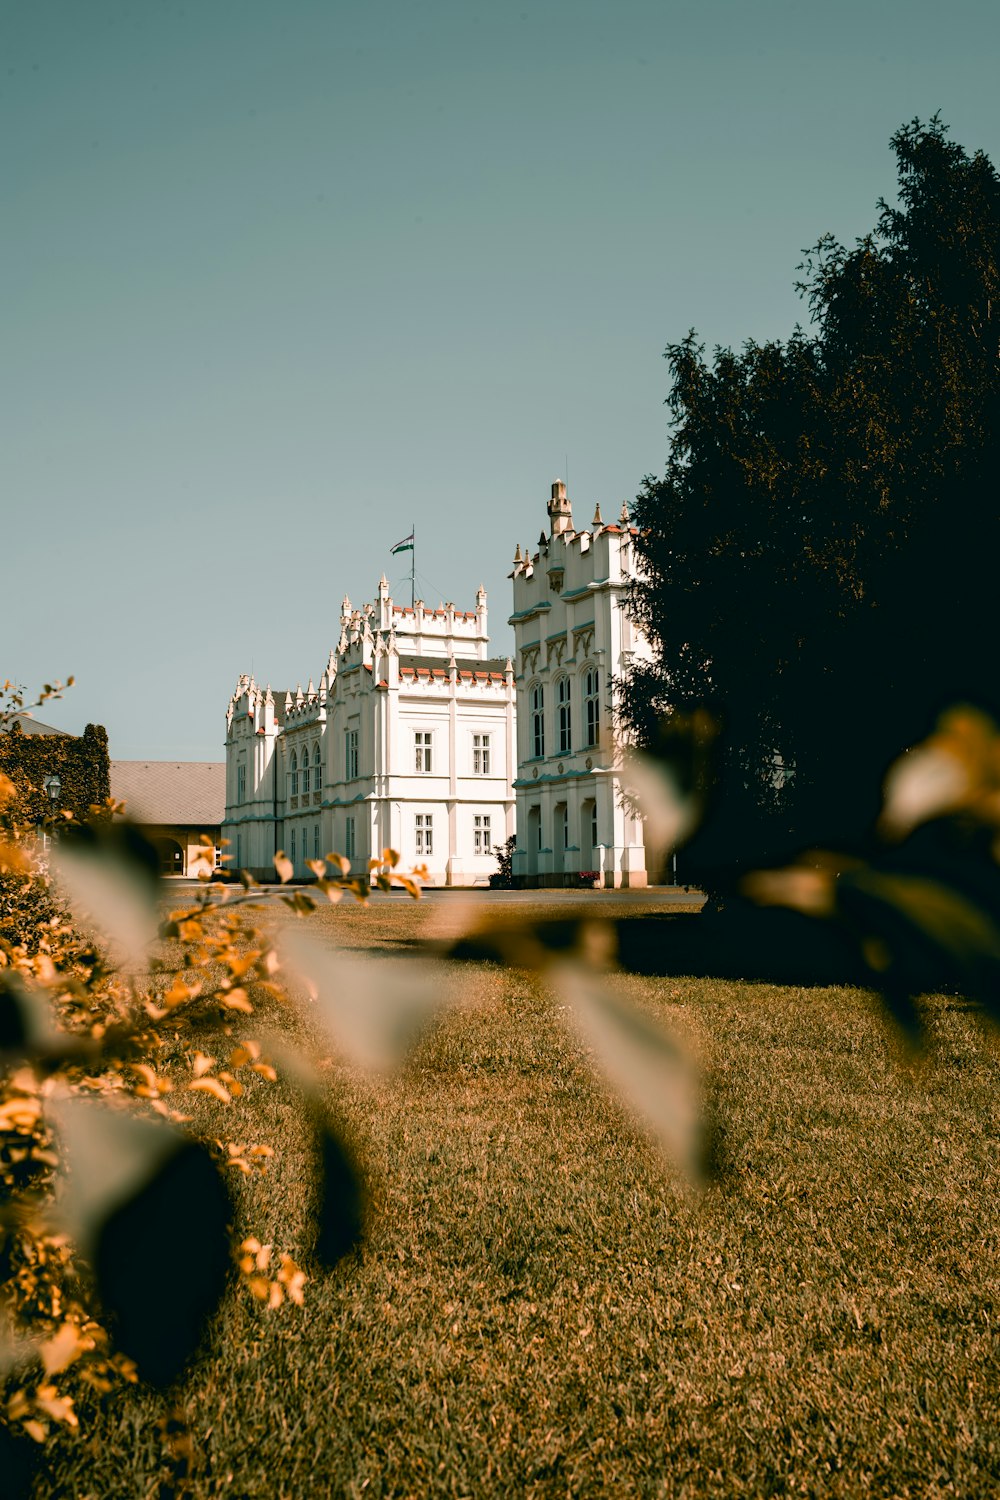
(281, 278)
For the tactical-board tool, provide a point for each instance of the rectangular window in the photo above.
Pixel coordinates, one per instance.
(241, 783)
(293, 846)
(425, 833)
(316, 841)
(351, 755)
(349, 845)
(239, 851)
(305, 779)
(480, 755)
(481, 841)
(422, 752)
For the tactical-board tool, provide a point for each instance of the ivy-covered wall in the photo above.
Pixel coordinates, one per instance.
(81, 763)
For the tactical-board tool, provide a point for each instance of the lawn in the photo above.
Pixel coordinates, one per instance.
(542, 1308)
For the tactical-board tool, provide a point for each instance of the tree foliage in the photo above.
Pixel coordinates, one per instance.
(820, 549)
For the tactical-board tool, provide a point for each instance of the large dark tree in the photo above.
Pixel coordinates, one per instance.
(823, 551)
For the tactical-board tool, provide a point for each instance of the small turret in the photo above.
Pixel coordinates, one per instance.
(598, 518)
(623, 519)
(560, 510)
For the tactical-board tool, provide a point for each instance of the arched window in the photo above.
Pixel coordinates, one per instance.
(305, 774)
(317, 771)
(592, 705)
(293, 775)
(563, 687)
(537, 721)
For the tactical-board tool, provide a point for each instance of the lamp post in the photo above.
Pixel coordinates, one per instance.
(52, 785)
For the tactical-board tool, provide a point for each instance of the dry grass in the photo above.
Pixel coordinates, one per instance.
(542, 1310)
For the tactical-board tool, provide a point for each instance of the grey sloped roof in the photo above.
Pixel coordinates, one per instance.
(167, 791)
(30, 725)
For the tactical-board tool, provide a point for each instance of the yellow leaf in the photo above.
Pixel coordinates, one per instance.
(7, 788)
(318, 866)
(63, 1348)
(284, 867)
(390, 857)
(212, 1086)
(59, 1408)
(244, 1053)
(260, 1287)
(261, 1151)
(265, 1070)
(202, 1063)
(36, 1430)
(236, 1000)
(340, 863)
(13, 861)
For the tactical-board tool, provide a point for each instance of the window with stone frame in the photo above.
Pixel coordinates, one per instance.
(481, 840)
(350, 847)
(241, 782)
(563, 705)
(537, 740)
(351, 754)
(422, 745)
(293, 775)
(424, 830)
(592, 705)
(480, 755)
(317, 770)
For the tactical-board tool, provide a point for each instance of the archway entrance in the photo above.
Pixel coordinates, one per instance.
(171, 857)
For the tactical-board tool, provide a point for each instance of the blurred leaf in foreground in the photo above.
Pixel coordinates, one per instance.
(648, 1069)
(151, 1214)
(110, 872)
(373, 1009)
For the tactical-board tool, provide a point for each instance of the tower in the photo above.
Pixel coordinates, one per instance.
(560, 510)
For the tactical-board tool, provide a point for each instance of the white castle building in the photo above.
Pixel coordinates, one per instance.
(416, 740)
(408, 743)
(573, 639)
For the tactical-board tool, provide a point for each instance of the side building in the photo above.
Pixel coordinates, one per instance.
(407, 743)
(573, 640)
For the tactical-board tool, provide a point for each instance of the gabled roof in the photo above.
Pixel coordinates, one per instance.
(167, 791)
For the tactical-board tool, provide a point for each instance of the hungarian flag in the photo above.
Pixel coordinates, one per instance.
(406, 545)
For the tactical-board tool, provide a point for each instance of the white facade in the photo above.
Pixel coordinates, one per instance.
(408, 743)
(573, 639)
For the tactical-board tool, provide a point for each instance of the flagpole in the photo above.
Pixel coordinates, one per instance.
(413, 567)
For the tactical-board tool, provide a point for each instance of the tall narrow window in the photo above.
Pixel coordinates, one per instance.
(351, 754)
(293, 846)
(565, 726)
(241, 783)
(349, 845)
(480, 755)
(305, 774)
(239, 851)
(593, 825)
(481, 842)
(592, 705)
(537, 721)
(565, 826)
(424, 833)
(293, 775)
(317, 770)
(315, 841)
(422, 751)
